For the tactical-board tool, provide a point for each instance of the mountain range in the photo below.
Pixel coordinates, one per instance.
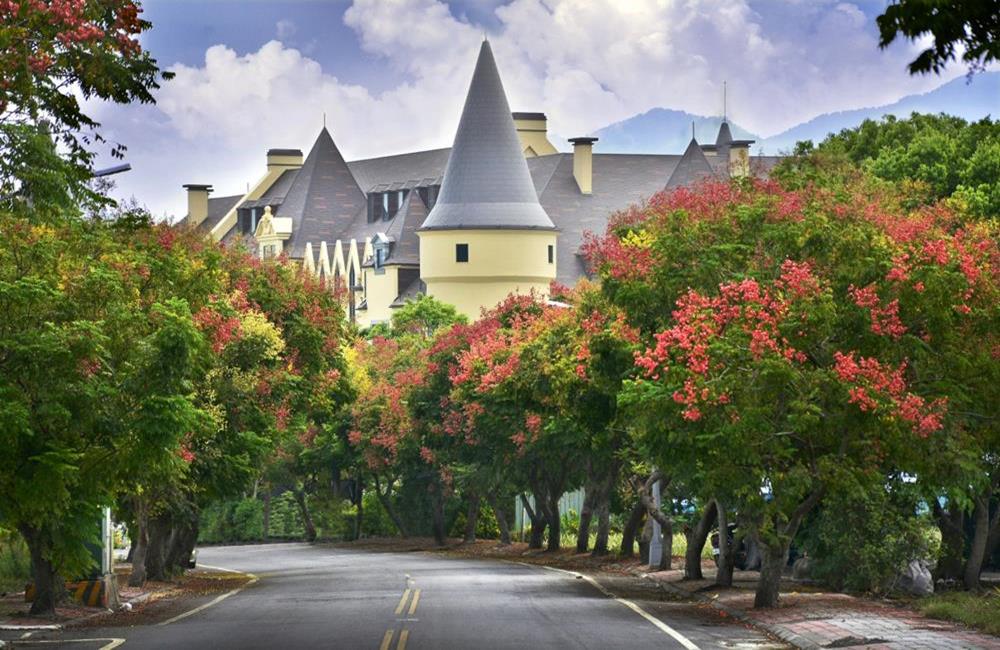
(664, 130)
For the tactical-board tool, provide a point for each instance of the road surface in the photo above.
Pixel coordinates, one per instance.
(330, 597)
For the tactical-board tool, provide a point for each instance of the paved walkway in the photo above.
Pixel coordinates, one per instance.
(830, 620)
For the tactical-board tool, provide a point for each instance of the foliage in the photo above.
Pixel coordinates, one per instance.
(971, 27)
(864, 535)
(977, 610)
(53, 54)
(15, 564)
(946, 155)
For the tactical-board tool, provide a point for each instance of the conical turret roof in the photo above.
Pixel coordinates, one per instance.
(691, 168)
(725, 136)
(487, 183)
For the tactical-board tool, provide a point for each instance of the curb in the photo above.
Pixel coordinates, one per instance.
(788, 636)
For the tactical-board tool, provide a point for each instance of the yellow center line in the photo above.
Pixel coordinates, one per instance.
(403, 636)
(402, 602)
(386, 640)
(416, 599)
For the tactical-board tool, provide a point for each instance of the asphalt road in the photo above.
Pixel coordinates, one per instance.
(326, 597)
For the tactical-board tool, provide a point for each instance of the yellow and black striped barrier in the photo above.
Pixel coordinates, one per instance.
(92, 593)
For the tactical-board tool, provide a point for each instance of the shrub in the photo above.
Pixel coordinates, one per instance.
(15, 563)
(248, 520)
(864, 535)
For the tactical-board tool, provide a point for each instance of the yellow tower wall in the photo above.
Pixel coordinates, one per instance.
(380, 290)
(501, 262)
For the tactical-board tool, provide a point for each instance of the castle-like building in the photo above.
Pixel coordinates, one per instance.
(502, 211)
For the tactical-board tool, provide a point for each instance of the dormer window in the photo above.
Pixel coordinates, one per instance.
(248, 218)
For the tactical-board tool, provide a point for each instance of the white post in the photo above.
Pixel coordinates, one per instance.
(655, 543)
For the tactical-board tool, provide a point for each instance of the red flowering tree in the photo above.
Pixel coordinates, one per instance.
(51, 53)
(806, 341)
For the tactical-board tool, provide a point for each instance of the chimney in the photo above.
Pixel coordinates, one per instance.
(532, 130)
(281, 159)
(197, 203)
(583, 163)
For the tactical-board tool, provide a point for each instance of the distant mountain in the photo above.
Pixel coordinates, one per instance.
(662, 130)
(971, 101)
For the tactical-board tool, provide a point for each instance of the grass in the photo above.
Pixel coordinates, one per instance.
(567, 539)
(15, 563)
(977, 610)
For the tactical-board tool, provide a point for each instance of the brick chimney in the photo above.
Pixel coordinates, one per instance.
(197, 203)
(583, 163)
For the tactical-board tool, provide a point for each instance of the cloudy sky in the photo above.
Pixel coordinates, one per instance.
(391, 75)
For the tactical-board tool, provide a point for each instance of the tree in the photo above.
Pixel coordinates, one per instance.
(795, 356)
(54, 52)
(970, 25)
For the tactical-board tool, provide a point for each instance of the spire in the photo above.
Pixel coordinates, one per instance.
(691, 168)
(725, 137)
(487, 183)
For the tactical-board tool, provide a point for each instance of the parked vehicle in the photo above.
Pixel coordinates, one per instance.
(747, 555)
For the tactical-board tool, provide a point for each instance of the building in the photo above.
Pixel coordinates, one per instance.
(501, 211)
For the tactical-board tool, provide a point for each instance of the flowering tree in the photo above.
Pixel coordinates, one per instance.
(797, 352)
(51, 53)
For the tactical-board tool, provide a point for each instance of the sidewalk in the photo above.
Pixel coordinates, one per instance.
(808, 618)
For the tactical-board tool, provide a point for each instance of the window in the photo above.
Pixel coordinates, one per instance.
(379, 261)
(385, 204)
(461, 252)
(552, 253)
(270, 250)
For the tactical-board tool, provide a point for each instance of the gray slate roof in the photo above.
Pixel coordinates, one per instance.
(323, 199)
(403, 231)
(487, 183)
(217, 208)
(692, 167)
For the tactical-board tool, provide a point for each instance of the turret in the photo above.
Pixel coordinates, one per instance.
(487, 235)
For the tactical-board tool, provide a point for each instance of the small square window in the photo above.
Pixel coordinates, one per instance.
(461, 252)
(552, 253)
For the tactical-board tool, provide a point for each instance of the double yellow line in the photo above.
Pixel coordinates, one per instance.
(413, 604)
(404, 635)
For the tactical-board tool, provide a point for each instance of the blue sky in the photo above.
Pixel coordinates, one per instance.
(391, 75)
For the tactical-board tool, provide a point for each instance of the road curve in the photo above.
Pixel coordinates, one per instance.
(315, 596)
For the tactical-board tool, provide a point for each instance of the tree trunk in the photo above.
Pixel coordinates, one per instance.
(951, 523)
(666, 545)
(307, 520)
(635, 520)
(727, 549)
(586, 515)
(387, 505)
(359, 514)
(551, 512)
(156, 549)
(49, 587)
(267, 512)
(471, 518)
(437, 515)
(537, 523)
(980, 535)
(603, 512)
(696, 542)
(501, 518)
(773, 559)
(140, 542)
(774, 556)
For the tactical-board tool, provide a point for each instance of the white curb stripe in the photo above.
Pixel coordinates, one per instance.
(112, 643)
(214, 601)
(663, 627)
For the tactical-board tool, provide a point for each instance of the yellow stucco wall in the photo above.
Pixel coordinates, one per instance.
(533, 135)
(739, 162)
(380, 290)
(501, 262)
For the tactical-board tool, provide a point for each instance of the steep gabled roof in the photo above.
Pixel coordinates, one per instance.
(323, 198)
(403, 230)
(486, 183)
(692, 167)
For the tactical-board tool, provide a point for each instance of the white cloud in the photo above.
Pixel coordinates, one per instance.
(585, 63)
